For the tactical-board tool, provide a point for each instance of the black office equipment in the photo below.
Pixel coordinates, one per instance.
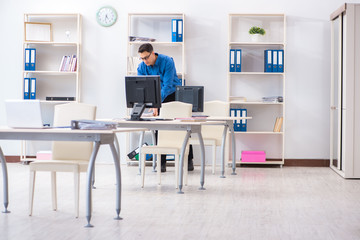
(142, 92)
(191, 94)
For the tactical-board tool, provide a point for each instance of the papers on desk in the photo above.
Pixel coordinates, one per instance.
(92, 125)
(192, 119)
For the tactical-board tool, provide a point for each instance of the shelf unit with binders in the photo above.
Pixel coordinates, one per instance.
(156, 29)
(53, 36)
(247, 88)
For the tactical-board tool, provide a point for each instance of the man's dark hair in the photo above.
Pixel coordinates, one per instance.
(146, 47)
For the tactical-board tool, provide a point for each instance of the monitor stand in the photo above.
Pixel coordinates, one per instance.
(137, 111)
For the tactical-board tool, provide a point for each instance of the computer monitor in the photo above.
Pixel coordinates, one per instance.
(191, 94)
(142, 92)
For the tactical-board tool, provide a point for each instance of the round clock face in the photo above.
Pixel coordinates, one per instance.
(106, 16)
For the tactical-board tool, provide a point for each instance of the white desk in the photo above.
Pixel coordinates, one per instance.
(99, 137)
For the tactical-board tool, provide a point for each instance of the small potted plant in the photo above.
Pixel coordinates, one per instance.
(255, 32)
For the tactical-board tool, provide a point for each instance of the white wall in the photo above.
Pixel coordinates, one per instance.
(104, 58)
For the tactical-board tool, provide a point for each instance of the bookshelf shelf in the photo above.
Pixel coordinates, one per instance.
(245, 89)
(257, 43)
(263, 132)
(179, 44)
(256, 73)
(60, 44)
(51, 72)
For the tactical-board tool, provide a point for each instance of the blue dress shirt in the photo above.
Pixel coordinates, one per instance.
(165, 67)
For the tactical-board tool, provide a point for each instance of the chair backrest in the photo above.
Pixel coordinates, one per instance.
(215, 109)
(63, 115)
(173, 110)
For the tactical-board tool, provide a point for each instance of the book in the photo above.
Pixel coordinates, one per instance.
(278, 124)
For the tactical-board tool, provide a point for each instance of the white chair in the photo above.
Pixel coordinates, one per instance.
(212, 135)
(66, 156)
(169, 142)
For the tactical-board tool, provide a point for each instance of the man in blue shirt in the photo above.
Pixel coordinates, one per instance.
(159, 64)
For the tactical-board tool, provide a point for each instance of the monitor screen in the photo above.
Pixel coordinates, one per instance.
(191, 94)
(142, 92)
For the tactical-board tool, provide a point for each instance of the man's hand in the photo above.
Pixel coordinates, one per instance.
(155, 112)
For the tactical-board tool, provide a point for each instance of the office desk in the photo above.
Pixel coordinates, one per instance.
(99, 137)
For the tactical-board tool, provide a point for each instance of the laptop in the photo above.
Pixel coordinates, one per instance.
(24, 114)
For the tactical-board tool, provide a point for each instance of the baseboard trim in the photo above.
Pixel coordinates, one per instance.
(307, 162)
(288, 162)
(12, 159)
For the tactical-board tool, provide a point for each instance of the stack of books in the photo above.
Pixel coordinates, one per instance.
(68, 64)
(274, 99)
(141, 39)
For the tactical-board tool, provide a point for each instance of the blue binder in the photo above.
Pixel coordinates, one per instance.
(238, 60)
(32, 88)
(232, 60)
(280, 60)
(32, 59)
(27, 59)
(26, 88)
(179, 30)
(174, 30)
(275, 60)
(235, 112)
(267, 61)
(243, 122)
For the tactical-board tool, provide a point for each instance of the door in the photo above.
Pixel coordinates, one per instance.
(336, 93)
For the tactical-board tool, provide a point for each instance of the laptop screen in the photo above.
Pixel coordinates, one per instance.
(23, 113)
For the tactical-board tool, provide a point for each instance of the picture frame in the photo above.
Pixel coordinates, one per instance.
(38, 32)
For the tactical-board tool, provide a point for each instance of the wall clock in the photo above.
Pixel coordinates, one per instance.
(106, 16)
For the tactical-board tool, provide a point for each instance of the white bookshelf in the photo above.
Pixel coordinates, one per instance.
(156, 26)
(245, 89)
(50, 82)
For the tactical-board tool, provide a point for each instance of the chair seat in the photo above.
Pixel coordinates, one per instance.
(59, 165)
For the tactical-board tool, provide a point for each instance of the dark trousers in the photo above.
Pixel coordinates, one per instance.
(171, 98)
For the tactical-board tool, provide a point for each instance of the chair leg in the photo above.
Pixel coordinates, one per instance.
(53, 191)
(31, 191)
(185, 171)
(76, 191)
(142, 162)
(176, 170)
(158, 159)
(214, 159)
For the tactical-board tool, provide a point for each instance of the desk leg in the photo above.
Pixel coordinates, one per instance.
(89, 181)
(202, 149)
(5, 181)
(231, 126)
(154, 155)
(141, 142)
(181, 165)
(223, 151)
(116, 157)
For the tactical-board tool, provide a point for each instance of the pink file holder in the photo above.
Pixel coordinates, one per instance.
(253, 156)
